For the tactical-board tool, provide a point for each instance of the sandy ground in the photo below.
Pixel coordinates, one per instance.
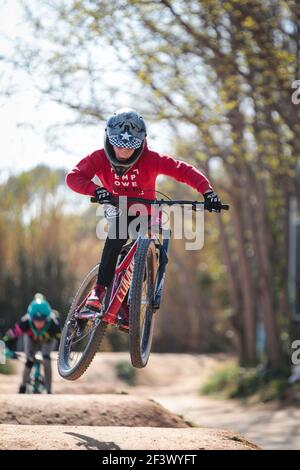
(181, 372)
(277, 429)
(86, 410)
(173, 381)
(116, 438)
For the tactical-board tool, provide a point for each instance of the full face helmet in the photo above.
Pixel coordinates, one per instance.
(39, 309)
(125, 129)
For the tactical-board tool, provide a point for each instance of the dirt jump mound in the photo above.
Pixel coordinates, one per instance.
(86, 410)
(16, 437)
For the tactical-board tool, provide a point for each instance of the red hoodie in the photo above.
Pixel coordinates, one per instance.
(139, 180)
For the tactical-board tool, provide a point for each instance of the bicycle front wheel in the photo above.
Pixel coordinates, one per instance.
(80, 339)
(141, 320)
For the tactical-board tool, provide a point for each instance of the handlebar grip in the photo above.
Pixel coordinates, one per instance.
(93, 199)
(225, 207)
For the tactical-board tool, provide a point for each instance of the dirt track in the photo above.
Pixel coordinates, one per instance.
(86, 410)
(181, 372)
(81, 415)
(172, 381)
(115, 438)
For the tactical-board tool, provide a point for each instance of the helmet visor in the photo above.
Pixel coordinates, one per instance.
(126, 129)
(125, 140)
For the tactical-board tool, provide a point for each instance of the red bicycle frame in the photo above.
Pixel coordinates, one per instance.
(121, 285)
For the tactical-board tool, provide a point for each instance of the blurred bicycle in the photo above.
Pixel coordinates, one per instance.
(36, 380)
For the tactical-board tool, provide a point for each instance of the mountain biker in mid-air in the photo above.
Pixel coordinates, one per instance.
(126, 166)
(40, 327)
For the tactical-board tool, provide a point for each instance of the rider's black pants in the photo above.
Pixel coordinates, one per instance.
(109, 259)
(112, 247)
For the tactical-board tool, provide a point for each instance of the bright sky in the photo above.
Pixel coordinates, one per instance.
(24, 121)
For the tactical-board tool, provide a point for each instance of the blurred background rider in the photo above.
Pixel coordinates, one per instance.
(41, 329)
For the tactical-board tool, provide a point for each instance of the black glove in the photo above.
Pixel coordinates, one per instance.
(212, 202)
(103, 195)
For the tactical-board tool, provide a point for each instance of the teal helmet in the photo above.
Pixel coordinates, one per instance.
(39, 309)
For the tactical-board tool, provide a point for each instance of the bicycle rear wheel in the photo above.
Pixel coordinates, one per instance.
(80, 339)
(141, 320)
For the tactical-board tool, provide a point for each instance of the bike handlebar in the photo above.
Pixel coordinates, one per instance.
(114, 201)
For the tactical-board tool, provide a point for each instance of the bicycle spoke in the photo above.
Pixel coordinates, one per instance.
(76, 344)
(85, 335)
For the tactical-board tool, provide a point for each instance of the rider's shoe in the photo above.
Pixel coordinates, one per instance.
(93, 304)
(95, 299)
(22, 389)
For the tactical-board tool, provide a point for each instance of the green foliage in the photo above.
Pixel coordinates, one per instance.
(7, 368)
(221, 380)
(260, 384)
(126, 372)
(118, 341)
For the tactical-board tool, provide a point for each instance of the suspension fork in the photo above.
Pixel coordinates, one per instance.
(163, 261)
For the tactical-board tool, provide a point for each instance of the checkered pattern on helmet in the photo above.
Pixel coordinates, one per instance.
(133, 144)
